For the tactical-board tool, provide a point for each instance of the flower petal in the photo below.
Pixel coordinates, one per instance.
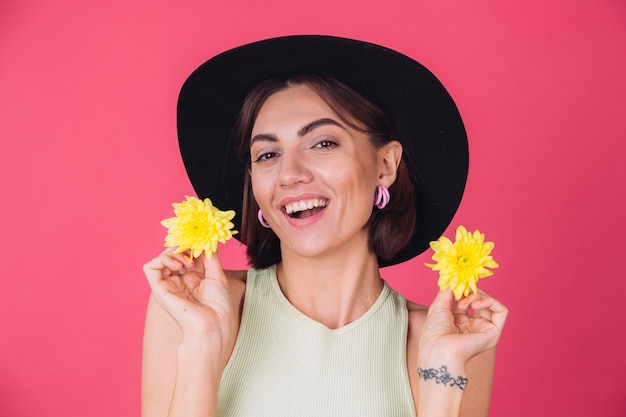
(463, 262)
(198, 226)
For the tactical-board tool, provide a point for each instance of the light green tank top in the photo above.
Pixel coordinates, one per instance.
(286, 364)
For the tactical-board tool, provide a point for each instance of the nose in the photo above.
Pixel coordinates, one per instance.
(294, 169)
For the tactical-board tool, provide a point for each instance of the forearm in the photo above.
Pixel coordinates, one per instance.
(198, 374)
(441, 385)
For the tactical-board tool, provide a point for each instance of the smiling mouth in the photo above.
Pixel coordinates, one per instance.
(305, 208)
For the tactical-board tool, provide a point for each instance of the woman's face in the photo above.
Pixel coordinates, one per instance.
(313, 177)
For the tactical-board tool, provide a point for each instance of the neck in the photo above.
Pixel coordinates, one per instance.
(333, 292)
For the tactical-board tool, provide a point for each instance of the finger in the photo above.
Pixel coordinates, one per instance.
(169, 249)
(442, 301)
(497, 311)
(484, 314)
(155, 271)
(463, 305)
(162, 267)
(184, 257)
(174, 262)
(213, 267)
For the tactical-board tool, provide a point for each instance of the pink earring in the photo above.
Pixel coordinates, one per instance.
(381, 197)
(262, 220)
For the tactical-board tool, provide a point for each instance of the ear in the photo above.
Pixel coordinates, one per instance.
(389, 157)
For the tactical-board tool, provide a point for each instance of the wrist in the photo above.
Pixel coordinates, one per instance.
(441, 367)
(195, 341)
(442, 375)
(199, 352)
(431, 357)
(442, 381)
(198, 375)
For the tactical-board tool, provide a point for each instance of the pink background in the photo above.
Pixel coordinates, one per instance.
(90, 165)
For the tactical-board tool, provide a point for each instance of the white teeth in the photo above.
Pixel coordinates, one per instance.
(304, 205)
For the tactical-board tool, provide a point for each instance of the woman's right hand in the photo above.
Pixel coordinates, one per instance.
(182, 370)
(195, 293)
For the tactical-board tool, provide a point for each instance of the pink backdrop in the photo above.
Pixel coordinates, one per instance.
(90, 166)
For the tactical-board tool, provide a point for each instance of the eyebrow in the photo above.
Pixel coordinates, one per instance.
(303, 131)
(317, 123)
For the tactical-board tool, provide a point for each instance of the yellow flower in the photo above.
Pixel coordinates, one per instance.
(198, 227)
(462, 263)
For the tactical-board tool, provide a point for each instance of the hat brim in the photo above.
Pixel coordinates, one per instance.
(421, 111)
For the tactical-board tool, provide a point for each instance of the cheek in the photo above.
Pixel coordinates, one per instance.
(260, 187)
(359, 176)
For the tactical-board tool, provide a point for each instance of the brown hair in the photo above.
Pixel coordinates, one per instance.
(390, 229)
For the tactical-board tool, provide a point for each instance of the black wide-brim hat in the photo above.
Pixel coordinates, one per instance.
(420, 109)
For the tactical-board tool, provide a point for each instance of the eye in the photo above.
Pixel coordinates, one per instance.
(325, 143)
(266, 156)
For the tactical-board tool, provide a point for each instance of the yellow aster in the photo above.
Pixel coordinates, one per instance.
(198, 227)
(462, 263)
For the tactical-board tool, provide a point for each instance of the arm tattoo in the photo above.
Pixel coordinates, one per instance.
(442, 376)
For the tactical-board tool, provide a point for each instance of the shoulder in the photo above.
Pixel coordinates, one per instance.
(236, 276)
(237, 289)
(417, 316)
(236, 284)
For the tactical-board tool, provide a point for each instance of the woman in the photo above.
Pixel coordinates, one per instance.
(330, 186)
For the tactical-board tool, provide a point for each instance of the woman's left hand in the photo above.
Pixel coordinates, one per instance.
(458, 330)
